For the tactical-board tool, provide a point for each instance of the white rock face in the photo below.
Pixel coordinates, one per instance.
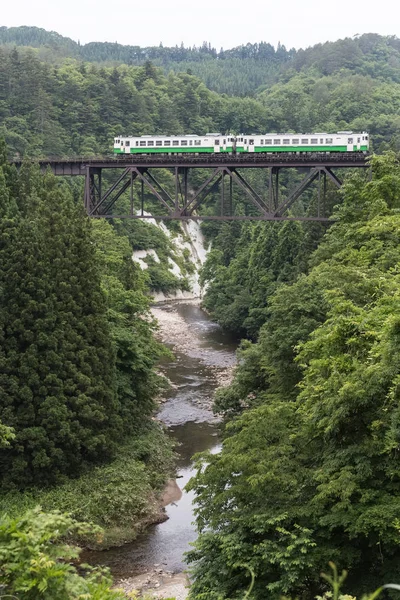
(174, 268)
(191, 240)
(139, 255)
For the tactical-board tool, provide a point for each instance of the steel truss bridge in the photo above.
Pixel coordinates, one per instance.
(100, 200)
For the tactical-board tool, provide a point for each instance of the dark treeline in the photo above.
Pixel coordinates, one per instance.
(106, 51)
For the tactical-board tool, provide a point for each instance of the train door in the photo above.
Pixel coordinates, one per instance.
(350, 142)
(239, 145)
(223, 144)
(217, 147)
(251, 145)
(359, 143)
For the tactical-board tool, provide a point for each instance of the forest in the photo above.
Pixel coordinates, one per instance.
(78, 384)
(75, 108)
(308, 471)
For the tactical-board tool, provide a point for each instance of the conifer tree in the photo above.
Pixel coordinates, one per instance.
(59, 373)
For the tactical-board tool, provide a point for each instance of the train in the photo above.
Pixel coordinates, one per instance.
(213, 143)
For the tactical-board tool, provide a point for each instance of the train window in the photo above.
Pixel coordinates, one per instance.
(175, 142)
(137, 143)
(190, 142)
(286, 142)
(262, 142)
(304, 141)
(314, 140)
(167, 142)
(150, 143)
(251, 142)
(329, 140)
(158, 143)
(295, 141)
(268, 142)
(142, 143)
(224, 142)
(216, 142)
(358, 140)
(245, 140)
(366, 137)
(350, 140)
(197, 142)
(321, 141)
(184, 143)
(127, 143)
(277, 142)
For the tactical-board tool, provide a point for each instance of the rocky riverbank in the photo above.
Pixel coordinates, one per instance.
(175, 331)
(157, 583)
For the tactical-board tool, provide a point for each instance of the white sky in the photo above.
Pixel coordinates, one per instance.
(226, 23)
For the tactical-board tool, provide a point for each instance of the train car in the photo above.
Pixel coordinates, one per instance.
(343, 141)
(212, 143)
(173, 144)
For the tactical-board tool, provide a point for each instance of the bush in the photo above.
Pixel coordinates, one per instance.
(120, 497)
(35, 560)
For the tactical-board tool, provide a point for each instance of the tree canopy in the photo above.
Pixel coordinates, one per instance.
(308, 471)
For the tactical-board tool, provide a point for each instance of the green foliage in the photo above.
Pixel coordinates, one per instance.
(244, 272)
(6, 435)
(78, 352)
(58, 375)
(146, 236)
(309, 472)
(120, 497)
(78, 358)
(36, 560)
(240, 71)
(131, 327)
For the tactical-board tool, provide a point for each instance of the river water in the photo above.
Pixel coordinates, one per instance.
(203, 354)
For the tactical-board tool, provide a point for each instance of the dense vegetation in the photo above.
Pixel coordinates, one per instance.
(43, 568)
(240, 71)
(309, 470)
(78, 355)
(72, 107)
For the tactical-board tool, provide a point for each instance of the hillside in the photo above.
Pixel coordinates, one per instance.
(239, 71)
(69, 106)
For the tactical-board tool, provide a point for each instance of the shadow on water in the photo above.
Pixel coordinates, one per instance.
(193, 426)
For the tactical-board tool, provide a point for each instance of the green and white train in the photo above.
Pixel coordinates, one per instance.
(212, 143)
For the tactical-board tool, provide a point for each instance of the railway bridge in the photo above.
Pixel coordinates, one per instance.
(125, 172)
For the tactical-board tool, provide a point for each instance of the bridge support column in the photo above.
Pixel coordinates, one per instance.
(93, 187)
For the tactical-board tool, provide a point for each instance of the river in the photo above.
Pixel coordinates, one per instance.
(203, 359)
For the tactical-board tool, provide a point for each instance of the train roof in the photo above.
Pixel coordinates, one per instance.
(210, 134)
